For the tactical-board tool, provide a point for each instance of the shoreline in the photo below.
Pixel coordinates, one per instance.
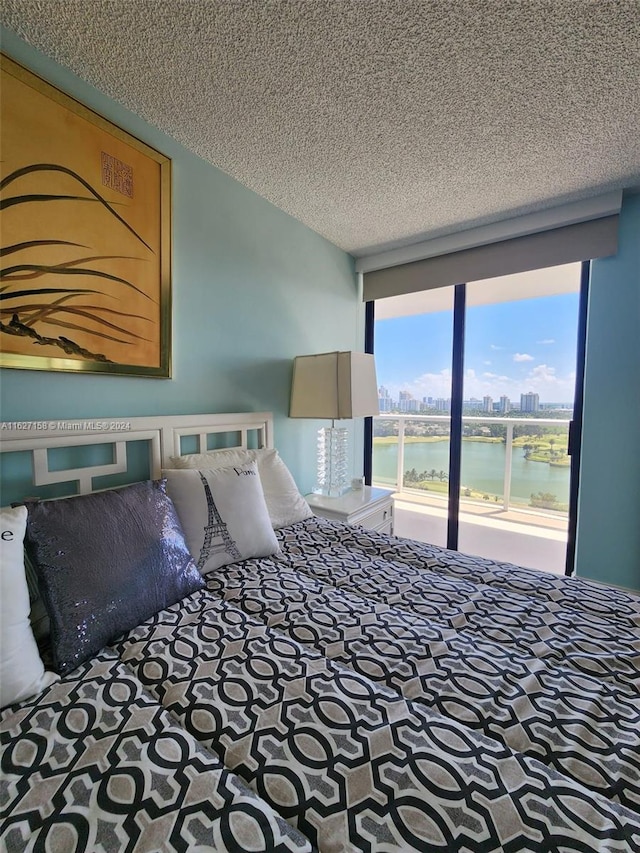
(426, 468)
(535, 456)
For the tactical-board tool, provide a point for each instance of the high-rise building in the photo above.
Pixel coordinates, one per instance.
(405, 400)
(529, 402)
(385, 403)
(487, 404)
(442, 405)
(505, 405)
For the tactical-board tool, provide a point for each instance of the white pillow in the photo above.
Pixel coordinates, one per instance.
(223, 514)
(285, 504)
(22, 673)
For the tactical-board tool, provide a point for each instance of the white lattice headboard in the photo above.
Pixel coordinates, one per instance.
(165, 437)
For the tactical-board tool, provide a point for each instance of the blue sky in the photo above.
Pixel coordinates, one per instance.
(511, 348)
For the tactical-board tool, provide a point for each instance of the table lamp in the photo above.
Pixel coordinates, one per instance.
(333, 385)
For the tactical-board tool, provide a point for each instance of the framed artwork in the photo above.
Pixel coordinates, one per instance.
(85, 233)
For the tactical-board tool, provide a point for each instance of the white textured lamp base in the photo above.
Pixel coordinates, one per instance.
(333, 478)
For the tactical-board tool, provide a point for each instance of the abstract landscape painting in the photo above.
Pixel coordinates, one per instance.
(85, 237)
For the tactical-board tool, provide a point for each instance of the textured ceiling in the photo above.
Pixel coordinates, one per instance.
(374, 122)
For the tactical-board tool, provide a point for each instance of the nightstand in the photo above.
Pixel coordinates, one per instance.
(367, 507)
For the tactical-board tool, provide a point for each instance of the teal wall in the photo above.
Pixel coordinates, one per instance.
(252, 288)
(608, 540)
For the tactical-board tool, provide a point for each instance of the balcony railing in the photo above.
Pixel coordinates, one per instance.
(509, 423)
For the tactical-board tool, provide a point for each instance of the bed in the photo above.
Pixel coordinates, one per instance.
(302, 685)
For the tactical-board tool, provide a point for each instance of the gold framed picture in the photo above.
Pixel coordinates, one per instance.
(85, 233)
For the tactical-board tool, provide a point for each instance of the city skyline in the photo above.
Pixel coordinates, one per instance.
(406, 402)
(511, 349)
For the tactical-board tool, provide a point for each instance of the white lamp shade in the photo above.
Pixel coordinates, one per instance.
(334, 385)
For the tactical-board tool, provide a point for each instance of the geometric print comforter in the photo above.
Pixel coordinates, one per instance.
(96, 764)
(354, 693)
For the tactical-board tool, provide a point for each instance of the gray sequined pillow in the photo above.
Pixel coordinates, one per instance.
(106, 562)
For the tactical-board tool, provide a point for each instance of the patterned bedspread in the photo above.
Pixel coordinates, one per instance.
(95, 764)
(356, 693)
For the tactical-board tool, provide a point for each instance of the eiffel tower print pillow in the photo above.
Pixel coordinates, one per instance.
(285, 504)
(223, 514)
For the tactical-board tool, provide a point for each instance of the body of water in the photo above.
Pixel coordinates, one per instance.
(482, 468)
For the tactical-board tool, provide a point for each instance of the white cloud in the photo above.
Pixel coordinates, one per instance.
(551, 387)
(487, 363)
(546, 341)
(430, 385)
(493, 346)
(543, 373)
(522, 356)
(542, 379)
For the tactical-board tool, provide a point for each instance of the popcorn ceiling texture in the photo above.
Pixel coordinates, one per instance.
(374, 122)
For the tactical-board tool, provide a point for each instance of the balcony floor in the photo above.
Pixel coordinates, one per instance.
(531, 539)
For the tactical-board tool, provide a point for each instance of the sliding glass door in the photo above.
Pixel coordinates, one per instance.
(413, 343)
(519, 382)
(476, 405)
